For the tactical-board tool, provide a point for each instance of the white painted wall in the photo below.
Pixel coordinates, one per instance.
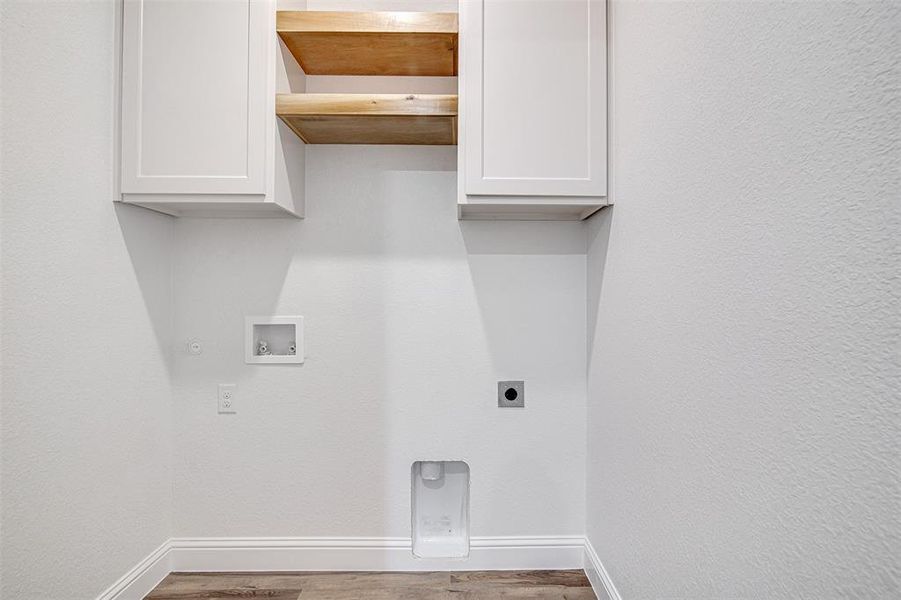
(744, 380)
(411, 318)
(743, 325)
(86, 317)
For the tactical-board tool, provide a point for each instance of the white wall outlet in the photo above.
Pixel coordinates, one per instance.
(228, 400)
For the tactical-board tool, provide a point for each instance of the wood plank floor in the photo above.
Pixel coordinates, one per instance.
(456, 585)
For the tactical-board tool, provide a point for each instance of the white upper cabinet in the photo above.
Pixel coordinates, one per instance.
(533, 108)
(197, 107)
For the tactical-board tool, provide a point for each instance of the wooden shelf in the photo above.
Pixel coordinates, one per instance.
(371, 43)
(420, 119)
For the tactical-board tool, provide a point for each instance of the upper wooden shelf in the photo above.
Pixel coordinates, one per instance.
(370, 118)
(371, 43)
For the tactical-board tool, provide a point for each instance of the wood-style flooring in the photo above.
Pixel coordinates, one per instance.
(453, 585)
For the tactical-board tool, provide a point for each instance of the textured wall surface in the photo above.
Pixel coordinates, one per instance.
(86, 316)
(411, 319)
(743, 324)
(744, 384)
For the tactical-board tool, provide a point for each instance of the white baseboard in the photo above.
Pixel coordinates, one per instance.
(370, 554)
(600, 580)
(142, 578)
(341, 554)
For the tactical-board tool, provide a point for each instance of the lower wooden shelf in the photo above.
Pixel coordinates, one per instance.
(415, 119)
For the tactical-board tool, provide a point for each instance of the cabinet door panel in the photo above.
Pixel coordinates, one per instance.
(194, 96)
(534, 96)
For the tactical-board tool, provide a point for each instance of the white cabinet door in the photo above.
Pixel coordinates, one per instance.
(533, 94)
(194, 96)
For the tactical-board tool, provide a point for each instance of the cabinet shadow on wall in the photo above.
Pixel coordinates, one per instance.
(529, 283)
(597, 245)
(149, 238)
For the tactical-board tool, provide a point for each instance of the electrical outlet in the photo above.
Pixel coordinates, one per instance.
(511, 394)
(228, 401)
